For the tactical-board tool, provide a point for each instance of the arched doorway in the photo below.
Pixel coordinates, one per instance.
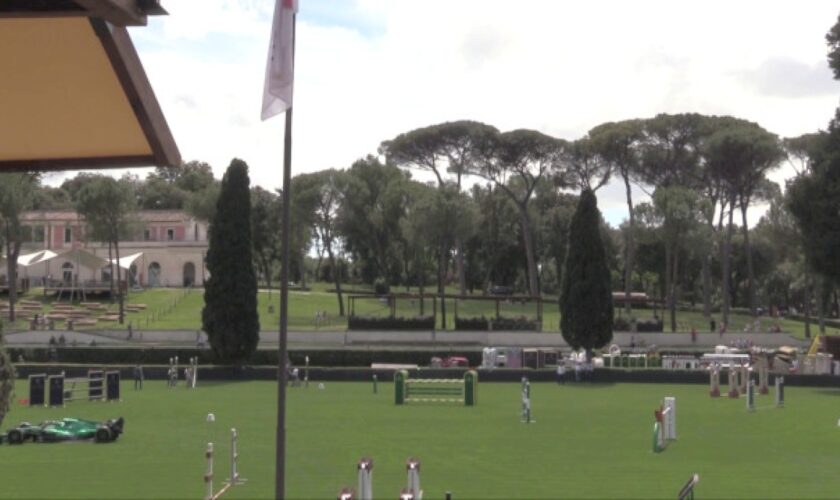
(132, 275)
(189, 274)
(154, 274)
(67, 272)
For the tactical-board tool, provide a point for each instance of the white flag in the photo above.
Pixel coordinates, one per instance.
(279, 69)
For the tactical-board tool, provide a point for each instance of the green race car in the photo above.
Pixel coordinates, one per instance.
(66, 429)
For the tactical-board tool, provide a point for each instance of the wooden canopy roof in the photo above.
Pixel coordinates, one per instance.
(73, 92)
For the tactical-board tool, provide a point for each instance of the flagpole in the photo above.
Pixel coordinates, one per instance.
(282, 379)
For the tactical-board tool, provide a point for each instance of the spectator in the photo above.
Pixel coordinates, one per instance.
(138, 377)
(561, 372)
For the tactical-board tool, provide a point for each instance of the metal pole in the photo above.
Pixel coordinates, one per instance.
(282, 375)
(282, 379)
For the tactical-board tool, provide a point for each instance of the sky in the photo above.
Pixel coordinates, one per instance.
(368, 70)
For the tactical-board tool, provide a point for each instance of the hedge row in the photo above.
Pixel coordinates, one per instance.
(472, 324)
(482, 324)
(515, 324)
(389, 323)
(131, 356)
(621, 324)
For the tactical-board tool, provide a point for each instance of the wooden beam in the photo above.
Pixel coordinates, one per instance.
(116, 12)
(138, 90)
(97, 162)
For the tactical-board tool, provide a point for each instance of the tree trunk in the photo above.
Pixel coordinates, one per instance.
(807, 307)
(750, 271)
(821, 300)
(667, 292)
(441, 271)
(11, 273)
(421, 278)
(111, 265)
(707, 286)
(460, 268)
(672, 295)
(336, 277)
(725, 258)
(529, 252)
(120, 296)
(629, 253)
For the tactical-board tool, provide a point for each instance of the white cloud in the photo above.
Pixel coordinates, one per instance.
(559, 67)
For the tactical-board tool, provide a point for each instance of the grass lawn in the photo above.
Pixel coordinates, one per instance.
(179, 309)
(588, 441)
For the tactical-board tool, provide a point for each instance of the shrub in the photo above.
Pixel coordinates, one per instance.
(474, 324)
(389, 323)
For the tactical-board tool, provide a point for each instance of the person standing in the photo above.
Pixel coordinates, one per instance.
(561, 372)
(138, 377)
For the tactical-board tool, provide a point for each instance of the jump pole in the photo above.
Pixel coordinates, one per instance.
(413, 490)
(365, 468)
(714, 381)
(751, 396)
(526, 401)
(780, 392)
(733, 386)
(234, 479)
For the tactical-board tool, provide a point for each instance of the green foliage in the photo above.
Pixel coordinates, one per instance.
(391, 323)
(230, 315)
(265, 231)
(7, 378)
(369, 218)
(586, 307)
(832, 38)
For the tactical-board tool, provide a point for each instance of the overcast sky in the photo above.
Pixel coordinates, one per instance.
(368, 70)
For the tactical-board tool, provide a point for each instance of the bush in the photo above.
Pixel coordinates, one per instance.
(389, 323)
(381, 288)
(621, 324)
(515, 324)
(472, 324)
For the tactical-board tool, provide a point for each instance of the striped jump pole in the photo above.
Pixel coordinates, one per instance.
(526, 401)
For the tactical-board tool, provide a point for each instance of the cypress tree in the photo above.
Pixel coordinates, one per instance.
(230, 315)
(586, 307)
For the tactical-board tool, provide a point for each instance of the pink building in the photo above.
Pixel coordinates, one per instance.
(171, 245)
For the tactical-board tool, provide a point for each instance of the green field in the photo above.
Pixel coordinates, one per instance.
(588, 441)
(179, 309)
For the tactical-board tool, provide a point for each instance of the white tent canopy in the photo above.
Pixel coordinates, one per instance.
(35, 258)
(84, 258)
(31, 259)
(125, 262)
